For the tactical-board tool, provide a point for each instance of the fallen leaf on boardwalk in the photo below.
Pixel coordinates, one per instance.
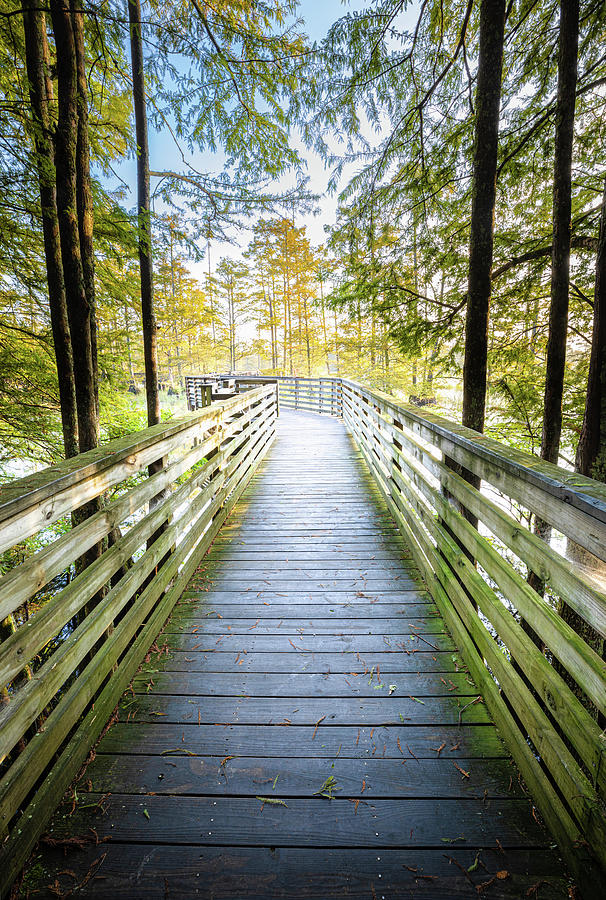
(273, 801)
(502, 874)
(533, 890)
(439, 749)
(328, 788)
(475, 864)
(317, 725)
(178, 750)
(146, 814)
(416, 699)
(76, 842)
(462, 771)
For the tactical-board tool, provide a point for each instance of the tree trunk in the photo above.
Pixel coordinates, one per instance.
(488, 100)
(591, 449)
(40, 88)
(131, 370)
(336, 341)
(560, 253)
(78, 302)
(84, 197)
(148, 317)
(307, 342)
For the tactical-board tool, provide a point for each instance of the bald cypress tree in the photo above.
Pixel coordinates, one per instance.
(481, 238)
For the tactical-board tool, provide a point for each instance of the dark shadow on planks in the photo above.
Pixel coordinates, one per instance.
(304, 650)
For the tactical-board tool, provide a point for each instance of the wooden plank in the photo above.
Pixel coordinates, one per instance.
(301, 612)
(236, 662)
(245, 821)
(402, 630)
(275, 741)
(419, 684)
(310, 585)
(306, 644)
(258, 558)
(396, 709)
(157, 871)
(266, 597)
(250, 776)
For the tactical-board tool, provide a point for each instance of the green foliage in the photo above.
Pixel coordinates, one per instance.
(396, 83)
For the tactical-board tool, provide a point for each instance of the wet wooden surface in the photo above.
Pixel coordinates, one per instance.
(304, 650)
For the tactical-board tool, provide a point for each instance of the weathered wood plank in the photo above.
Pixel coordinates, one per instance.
(337, 823)
(250, 776)
(156, 738)
(193, 617)
(236, 662)
(312, 636)
(155, 871)
(267, 595)
(394, 710)
(306, 685)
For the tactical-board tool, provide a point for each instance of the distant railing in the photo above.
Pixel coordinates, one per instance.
(321, 395)
(477, 577)
(64, 667)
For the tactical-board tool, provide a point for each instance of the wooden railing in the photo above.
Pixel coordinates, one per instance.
(65, 664)
(321, 395)
(547, 692)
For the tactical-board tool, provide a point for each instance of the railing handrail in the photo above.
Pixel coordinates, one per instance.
(32, 490)
(580, 491)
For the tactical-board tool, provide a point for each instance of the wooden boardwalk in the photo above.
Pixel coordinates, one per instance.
(305, 662)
